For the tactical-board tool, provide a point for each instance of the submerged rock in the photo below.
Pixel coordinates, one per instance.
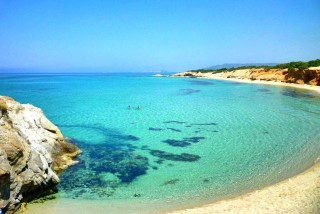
(32, 153)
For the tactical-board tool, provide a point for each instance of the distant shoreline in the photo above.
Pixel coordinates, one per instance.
(223, 77)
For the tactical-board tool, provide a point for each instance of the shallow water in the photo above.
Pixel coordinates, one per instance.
(191, 142)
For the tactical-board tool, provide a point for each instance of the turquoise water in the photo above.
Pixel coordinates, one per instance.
(191, 142)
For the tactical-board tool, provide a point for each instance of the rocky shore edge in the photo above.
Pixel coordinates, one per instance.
(299, 78)
(32, 154)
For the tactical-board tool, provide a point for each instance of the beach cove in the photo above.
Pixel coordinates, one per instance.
(222, 154)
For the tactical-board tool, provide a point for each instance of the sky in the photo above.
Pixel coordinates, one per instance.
(149, 35)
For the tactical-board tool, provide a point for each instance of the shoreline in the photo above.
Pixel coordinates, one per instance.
(249, 81)
(298, 194)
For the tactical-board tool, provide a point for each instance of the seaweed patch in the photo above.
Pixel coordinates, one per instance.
(201, 82)
(184, 142)
(188, 91)
(177, 143)
(170, 182)
(263, 90)
(204, 124)
(174, 121)
(155, 129)
(183, 157)
(175, 130)
(116, 157)
(296, 94)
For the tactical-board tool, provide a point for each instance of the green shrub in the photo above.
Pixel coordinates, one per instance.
(3, 106)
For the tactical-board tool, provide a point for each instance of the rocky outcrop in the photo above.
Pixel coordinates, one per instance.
(32, 153)
(309, 76)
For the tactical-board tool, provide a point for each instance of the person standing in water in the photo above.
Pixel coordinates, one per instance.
(138, 107)
(128, 106)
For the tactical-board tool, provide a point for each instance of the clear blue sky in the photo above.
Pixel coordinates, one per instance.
(144, 35)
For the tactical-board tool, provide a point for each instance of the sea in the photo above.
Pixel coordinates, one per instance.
(158, 144)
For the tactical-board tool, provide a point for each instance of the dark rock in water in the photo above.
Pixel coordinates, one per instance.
(177, 143)
(175, 130)
(144, 147)
(201, 82)
(159, 161)
(263, 90)
(174, 121)
(204, 124)
(124, 164)
(184, 142)
(170, 182)
(155, 168)
(155, 129)
(187, 91)
(194, 139)
(129, 137)
(184, 157)
(296, 94)
(117, 158)
(205, 180)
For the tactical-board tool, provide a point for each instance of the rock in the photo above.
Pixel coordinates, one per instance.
(32, 153)
(299, 81)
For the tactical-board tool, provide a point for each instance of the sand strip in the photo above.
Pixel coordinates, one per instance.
(219, 77)
(299, 194)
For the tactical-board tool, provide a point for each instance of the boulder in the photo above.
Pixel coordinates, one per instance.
(32, 153)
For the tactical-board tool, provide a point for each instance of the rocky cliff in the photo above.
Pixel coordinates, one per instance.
(309, 76)
(32, 153)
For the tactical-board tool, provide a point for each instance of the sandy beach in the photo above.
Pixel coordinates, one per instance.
(299, 194)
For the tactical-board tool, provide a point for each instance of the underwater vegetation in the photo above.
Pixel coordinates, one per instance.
(171, 182)
(174, 121)
(188, 91)
(155, 129)
(185, 157)
(263, 90)
(201, 82)
(119, 159)
(184, 142)
(296, 94)
(204, 124)
(175, 130)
